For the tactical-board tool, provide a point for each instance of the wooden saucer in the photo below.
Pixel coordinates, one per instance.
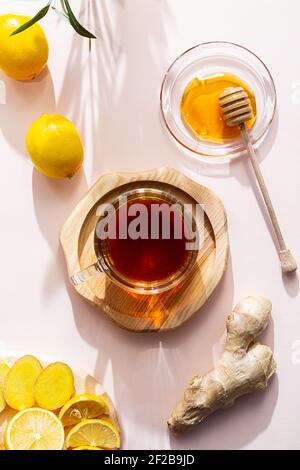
(140, 312)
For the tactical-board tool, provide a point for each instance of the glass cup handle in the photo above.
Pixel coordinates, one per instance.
(86, 274)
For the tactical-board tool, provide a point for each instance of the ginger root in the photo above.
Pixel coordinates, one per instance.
(19, 383)
(54, 386)
(245, 366)
(4, 369)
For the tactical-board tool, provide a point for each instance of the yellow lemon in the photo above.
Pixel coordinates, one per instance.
(54, 146)
(24, 55)
(34, 429)
(87, 448)
(94, 432)
(81, 407)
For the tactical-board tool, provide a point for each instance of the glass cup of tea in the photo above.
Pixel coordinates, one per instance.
(146, 239)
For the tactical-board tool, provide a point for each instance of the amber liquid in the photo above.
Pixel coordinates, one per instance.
(148, 259)
(200, 107)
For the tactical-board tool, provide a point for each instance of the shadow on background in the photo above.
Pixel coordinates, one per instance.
(118, 70)
(145, 369)
(25, 102)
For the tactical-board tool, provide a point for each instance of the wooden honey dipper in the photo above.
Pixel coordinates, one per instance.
(236, 108)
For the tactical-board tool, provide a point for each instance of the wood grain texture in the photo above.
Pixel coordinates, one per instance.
(140, 312)
(84, 383)
(287, 261)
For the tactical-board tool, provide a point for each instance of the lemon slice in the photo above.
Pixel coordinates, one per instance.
(95, 433)
(34, 429)
(83, 407)
(87, 448)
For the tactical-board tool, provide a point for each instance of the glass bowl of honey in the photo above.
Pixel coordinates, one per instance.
(189, 99)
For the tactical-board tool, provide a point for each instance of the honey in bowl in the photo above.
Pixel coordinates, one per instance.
(200, 108)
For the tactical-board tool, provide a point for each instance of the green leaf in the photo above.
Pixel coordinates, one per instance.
(43, 12)
(63, 7)
(75, 23)
(60, 13)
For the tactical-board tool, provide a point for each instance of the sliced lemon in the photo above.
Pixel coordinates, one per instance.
(87, 448)
(81, 407)
(95, 433)
(34, 429)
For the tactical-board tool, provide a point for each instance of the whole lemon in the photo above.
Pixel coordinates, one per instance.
(24, 55)
(54, 146)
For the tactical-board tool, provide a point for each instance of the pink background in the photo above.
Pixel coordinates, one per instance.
(112, 96)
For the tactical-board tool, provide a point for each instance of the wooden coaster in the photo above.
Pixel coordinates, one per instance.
(140, 312)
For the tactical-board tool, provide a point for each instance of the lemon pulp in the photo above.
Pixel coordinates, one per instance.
(34, 429)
